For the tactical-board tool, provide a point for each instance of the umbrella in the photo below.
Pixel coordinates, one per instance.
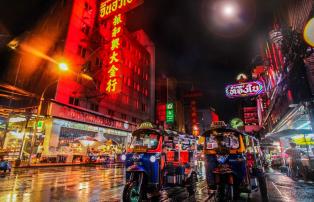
(86, 140)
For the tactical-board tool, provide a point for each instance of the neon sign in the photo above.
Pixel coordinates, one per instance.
(170, 112)
(112, 7)
(244, 89)
(113, 82)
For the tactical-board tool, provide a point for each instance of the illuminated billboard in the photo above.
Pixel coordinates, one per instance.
(244, 89)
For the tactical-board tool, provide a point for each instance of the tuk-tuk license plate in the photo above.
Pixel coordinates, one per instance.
(140, 149)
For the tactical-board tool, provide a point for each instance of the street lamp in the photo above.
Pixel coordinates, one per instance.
(62, 67)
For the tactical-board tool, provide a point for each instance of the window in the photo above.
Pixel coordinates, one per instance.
(126, 99)
(74, 101)
(227, 139)
(87, 67)
(94, 107)
(129, 81)
(143, 107)
(139, 71)
(98, 62)
(110, 112)
(85, 29)
(145, 140)
(81, 51)
(137, 104)
(123, 44)
(87, 7)
(123, 116)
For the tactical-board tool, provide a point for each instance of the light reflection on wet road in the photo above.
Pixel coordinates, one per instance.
(283, 188)
(97, 183)
(63, 184)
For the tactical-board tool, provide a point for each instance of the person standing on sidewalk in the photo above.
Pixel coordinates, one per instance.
(294, 159)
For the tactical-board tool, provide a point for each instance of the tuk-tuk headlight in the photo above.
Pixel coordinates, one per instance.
(123, 157)
(152, 159)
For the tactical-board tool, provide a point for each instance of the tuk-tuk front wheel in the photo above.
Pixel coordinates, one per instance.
(224, 193)
(132, 192)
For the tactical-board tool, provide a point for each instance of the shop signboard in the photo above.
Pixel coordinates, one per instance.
(69, 113)
(170, 112)
(247, 89)
(111, 7)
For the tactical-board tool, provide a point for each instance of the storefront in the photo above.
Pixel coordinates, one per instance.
(66, 135)
(70, 141)
(294, 127)
(16, 136)
(73, 135)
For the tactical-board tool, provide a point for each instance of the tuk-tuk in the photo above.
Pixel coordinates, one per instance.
(156, 159)
(232, 163)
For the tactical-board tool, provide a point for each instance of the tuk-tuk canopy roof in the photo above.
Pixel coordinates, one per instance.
(226, 129)
(162, 132)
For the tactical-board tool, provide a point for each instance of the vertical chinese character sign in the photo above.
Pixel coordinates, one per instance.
(113, 84)
(113, 11)
(194, 119)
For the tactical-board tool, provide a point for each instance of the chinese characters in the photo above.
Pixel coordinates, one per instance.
(114, 59)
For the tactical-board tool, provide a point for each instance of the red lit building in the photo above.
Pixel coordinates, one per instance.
(121, 65)
(95, 43)
(285, 111)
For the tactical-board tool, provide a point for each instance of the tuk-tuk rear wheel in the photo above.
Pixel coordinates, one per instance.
(192, 184)
(132, 192)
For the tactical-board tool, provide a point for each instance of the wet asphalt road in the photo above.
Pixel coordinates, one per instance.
(97, 183)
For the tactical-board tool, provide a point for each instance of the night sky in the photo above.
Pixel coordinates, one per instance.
(189, 46)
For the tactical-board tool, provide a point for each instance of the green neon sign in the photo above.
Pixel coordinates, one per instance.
(170, 112)
(40, 124)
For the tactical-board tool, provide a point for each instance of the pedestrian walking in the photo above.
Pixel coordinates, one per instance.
(294, 160)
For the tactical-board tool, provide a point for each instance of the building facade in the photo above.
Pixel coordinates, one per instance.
(286, 109)
(108, 91)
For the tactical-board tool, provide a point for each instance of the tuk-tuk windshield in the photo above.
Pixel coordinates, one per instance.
(146, 141)
(229, 139)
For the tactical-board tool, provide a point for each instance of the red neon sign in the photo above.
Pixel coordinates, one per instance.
(112, 7)
(244, 89)
(113, 84)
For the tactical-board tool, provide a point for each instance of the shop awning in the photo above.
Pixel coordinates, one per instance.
(288, 132)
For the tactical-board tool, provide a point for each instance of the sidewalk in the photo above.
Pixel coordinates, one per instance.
(283, 188)
(64, 164)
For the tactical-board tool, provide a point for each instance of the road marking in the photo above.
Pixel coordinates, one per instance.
(284, 197)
